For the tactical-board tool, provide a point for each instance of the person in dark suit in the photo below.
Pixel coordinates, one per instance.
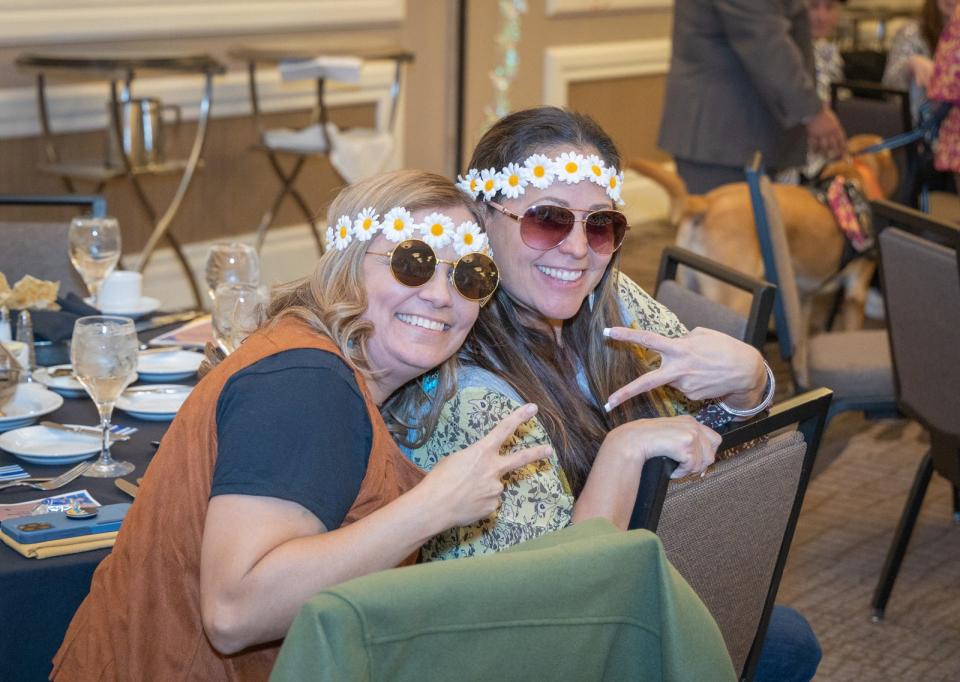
(742, 79)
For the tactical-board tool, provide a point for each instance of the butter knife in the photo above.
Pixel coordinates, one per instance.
(127, 487)
(76, 428)
(164, 320)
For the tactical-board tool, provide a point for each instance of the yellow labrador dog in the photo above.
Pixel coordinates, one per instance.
(720, 226)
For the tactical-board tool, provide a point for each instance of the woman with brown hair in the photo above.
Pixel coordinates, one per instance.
(278, 476)
(616, 377)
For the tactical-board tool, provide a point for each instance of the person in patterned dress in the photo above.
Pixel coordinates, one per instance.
(945, 87)
(615, 375)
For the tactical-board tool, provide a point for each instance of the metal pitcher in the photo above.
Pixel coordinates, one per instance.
(141, 130)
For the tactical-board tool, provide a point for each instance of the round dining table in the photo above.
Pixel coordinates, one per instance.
(39, 597)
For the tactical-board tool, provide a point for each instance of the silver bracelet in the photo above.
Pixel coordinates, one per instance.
(764, 404)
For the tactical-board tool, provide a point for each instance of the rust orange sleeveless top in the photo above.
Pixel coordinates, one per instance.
(141, 620)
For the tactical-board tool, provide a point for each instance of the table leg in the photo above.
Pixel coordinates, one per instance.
(49, 147)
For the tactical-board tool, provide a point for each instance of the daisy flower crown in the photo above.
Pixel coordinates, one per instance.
(541, 171)
(397, 225)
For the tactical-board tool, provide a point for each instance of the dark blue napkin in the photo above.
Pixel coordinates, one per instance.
(57, 325)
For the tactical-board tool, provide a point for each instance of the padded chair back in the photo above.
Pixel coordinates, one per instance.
(789, 316)
(695, 310)
(38, 249)
(728, 533)
(872, 109)
(921, 284)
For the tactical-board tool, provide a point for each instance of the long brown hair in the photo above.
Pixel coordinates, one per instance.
(932, 22)
(515, 342)
(333, 299)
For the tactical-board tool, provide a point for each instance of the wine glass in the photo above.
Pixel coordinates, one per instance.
(94, 250)
(235, 314)
(231, 263)
(104, 355)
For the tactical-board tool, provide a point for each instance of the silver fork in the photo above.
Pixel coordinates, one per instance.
(53, 484)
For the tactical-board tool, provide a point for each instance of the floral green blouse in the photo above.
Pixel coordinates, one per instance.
(537, 498)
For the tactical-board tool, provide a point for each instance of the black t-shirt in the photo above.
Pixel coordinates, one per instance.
(294, 426)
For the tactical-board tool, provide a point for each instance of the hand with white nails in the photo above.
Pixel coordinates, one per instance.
(704, 364)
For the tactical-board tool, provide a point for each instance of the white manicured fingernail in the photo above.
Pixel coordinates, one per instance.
(606, 332)
(607, 407)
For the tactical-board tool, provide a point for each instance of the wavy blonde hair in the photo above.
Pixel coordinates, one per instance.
(333, 299)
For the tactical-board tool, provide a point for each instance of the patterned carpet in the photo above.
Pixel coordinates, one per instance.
(863, 473)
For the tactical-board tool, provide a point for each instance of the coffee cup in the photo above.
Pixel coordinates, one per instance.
(120, 291)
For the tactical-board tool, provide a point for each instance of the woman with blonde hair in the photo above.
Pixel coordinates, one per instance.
(278, 476)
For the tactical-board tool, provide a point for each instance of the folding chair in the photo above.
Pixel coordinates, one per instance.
(729, 532)
(855, 365)
(696, 310)
(921, 280)
(320, 138)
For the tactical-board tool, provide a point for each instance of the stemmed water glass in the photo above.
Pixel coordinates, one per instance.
(231, 263)
(235, 314)
(94, 250)
(104, 355)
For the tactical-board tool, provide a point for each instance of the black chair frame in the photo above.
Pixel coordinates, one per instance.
(762, 292)
(95, 204)
(809, 412)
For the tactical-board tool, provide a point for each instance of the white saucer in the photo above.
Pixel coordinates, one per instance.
(30, 402)
(158, 403)
(172, 365)
(144, 306)
(43, 445)
(67, 386)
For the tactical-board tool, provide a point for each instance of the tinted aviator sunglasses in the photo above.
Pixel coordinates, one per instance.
(413, 263)
(546, 227)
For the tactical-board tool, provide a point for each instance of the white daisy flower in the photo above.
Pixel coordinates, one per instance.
(470, 183)
(612, 182)
(437, 230)
(489, 183)
(469, 239)
(328, 241)
(342, 232)
(398, 225)
(539, 171)
(595, 168)
(571, 167)
(512, 181)
(366, 224)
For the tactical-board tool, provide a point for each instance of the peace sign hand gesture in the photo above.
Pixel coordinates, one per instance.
(704, 364)
(468, 484)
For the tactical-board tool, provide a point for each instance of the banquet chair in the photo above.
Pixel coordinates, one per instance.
(587, 602)
(921, 279)
(729, 532)
(353, 153)
(40, 248)
(869, 108)
(855, 365)
(696, 310)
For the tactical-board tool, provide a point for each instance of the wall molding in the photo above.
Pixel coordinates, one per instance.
(83, 107)
(557, 8)
(598, 61)
(41, 22)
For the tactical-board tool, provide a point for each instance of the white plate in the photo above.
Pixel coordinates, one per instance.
(144, 306)
(43, 445)
(67, 386)
(30, 402)
(158, 404)
(168, 366)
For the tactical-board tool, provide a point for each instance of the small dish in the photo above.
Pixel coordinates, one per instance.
(145, 306)
(157, 403)
(46, 446)
(171, 366)
(29, 403)
(67, 386)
